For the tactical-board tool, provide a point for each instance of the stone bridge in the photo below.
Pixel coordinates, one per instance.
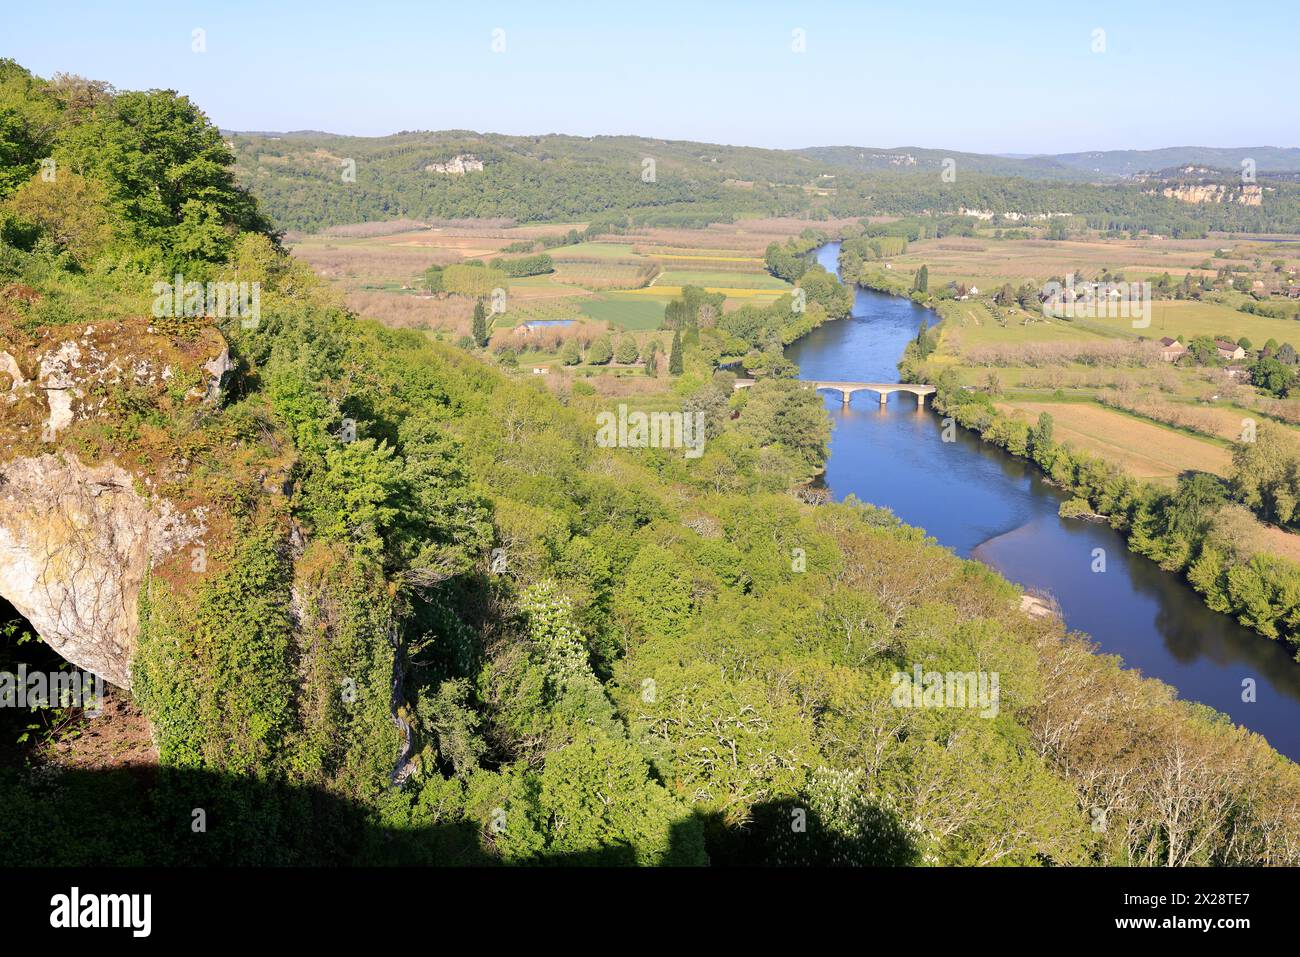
(846, 389)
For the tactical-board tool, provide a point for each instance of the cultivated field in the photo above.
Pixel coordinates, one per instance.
(625, 312)
(989, 262)
(1102, 378)
(1145, 450)
(624, 282)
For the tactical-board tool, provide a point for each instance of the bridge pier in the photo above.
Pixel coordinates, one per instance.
(846, 389)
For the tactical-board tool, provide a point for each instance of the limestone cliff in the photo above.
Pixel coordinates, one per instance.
(1215, 193)
(75, 544)
(79, 530)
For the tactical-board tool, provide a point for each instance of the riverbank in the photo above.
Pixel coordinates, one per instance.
(981, 502)
(1257, 587)
(1175, 529)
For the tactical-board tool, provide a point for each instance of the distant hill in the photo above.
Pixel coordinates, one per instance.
(916, 159)
(1101, 164)
(292, 134)
(299, 177)
(309, 180)
(1131, 162)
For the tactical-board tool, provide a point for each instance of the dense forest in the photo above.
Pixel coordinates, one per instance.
(309, 181)
(440, 624)
(300, 179)
(1099, 165)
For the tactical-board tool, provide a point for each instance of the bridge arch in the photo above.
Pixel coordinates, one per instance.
(846, 389)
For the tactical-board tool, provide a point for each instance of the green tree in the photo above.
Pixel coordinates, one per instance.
(675, 364)
(596, 802)
(1266, 473)
(480, 326)
(627, 353)
(823, 288)
(781, 414)
(1196, 501)
(70, 211)
(1041, 442)
(844, 827)
(923, 344)
(1203, 350)
(168, 174)
(922, 281)
(29, 119)
(450, 718)
(433, 279)
(711, 402)
(601, 351)
(1271, 375)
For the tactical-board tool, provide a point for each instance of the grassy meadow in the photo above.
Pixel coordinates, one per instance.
(620, 285)
(1147, 450)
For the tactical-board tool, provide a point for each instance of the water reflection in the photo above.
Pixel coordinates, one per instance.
(985, 504)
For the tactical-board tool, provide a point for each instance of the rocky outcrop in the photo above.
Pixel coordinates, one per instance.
(72, 373)
(1215, 193)
(76, 542)
(78, 530)
(457, 165)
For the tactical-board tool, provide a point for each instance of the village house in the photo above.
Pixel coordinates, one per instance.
(1171, 350)
(1229, 350)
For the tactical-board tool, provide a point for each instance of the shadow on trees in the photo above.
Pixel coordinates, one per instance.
(147, 817)
(133, 816)
(788, 833)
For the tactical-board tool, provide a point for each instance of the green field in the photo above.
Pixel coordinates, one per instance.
(724, 280)
(1209, 318)
(631, 314)
(592, 251)
(1183, 318)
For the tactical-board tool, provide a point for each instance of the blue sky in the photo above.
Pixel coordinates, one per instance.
(987, 77)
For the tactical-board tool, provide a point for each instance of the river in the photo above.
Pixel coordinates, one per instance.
(985, 504)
